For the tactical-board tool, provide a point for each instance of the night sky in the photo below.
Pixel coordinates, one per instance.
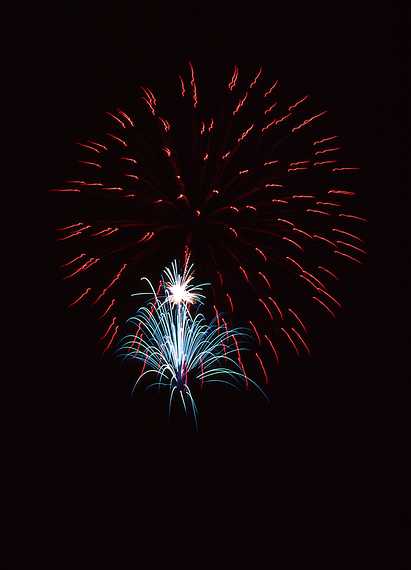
(314, 451)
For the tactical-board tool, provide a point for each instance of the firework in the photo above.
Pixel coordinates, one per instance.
(180, 348)
(257, 185)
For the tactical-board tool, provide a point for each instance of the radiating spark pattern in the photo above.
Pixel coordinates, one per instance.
(253, 180)
(178, 347)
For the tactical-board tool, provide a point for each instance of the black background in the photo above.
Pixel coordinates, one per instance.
(325, 449)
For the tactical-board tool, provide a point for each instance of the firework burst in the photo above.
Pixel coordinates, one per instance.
(180, 348)
(258, 187)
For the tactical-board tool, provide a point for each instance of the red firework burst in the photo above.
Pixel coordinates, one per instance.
(258, 188)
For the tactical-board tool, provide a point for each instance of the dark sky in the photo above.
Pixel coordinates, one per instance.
(329, 418)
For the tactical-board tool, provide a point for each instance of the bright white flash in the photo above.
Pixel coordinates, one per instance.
(178, 293)
(179, 287)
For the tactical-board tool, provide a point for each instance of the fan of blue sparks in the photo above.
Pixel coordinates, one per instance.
(178, 346)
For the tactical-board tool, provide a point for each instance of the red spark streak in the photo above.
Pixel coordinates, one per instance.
(308, 121)
(276, 305)
(330, 297)
(73, 260)
(233, 81)
(230, 302)
(345, 168)
(273, 348)
(343, 192)
(302, 197)
(273, 86)
(348, 256)
(326, 307)
(351, 217)
(329, 242)
(240, 104)
(351, 245)
(86, 292)
(314, 211)
(149, 99)
(291, 341)
(118, 139)
(323, 162)
(82, 183)
(301, 340)
(113, 301)
(98, 144)
(88, 163)
(69, 227)
(300, 247)
(285, 221)
(255, 331)
(276, 122)
(261, 274)
(263, 255)
(193, 86)
(262, 367)
(331, 204)
(183, 90)
(297, 318)
(225, 326)
(110, 285)
(166, 124)
(116, 119)
(255, 78)
(217, 316)
(123, 114)
(110, 326)
(270, 108)
(324, 140)
(326, 150)
(302, 232)
(303, 276)
(74, 234)
(295, 263)
(233, 231)
(102, 232)
(92, 261)
(245, 133)
(89, 147)
(113, 336)
(244, 272)
(146, 237)
(266, 308)
(133, 160)
(314, 278)
(240, 362)
(64, 190)
(328, 272)
(297, 103)
(347, 234)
